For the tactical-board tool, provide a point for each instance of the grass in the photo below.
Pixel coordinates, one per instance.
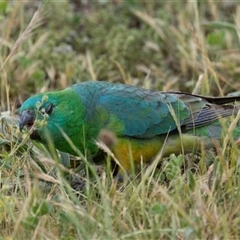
(192, 46)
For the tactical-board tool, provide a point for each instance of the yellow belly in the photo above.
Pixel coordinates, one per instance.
(135, 150)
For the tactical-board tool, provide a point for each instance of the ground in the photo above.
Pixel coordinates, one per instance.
(189, 46)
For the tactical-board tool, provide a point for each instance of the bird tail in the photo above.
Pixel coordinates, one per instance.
(222, 100)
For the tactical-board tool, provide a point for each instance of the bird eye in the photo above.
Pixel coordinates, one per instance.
(49, 108)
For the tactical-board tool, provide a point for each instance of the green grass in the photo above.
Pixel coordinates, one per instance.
(169, 45)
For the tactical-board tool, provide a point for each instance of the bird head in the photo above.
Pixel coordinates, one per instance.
(37, 114)
(48, 115)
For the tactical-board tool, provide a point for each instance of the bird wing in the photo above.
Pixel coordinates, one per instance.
(205, 110)
(136, 112)
(141, 113)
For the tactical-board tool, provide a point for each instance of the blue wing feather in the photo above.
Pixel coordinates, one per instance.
(141, 113)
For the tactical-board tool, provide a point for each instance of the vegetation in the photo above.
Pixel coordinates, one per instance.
(191, 46)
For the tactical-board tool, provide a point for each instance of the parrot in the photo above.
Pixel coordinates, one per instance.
(139, 122)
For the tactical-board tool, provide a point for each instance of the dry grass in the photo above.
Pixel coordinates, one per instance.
(170, 46)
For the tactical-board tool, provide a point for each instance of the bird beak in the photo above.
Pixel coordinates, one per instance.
(27, 119)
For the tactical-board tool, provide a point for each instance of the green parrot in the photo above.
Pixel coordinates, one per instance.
(142, 122)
